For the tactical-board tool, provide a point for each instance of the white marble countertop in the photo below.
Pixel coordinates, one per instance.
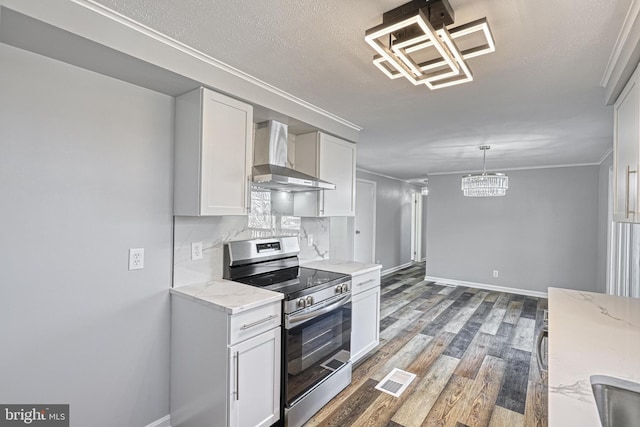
(589, 334)
(341, 266)
(228, 296)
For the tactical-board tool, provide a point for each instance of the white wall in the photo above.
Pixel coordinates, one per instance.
(542, 233)
(85, 174)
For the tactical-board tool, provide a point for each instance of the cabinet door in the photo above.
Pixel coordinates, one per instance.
(227, 144)
(337, 164)
(365, 323)
(254, 392)
(626, 141)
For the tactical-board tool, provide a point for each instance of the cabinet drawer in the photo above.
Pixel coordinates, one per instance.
(362, 282)
(253, 322)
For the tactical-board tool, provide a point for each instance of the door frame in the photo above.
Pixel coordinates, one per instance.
(373, 231)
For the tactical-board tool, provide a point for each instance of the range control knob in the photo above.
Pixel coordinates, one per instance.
(339, 289)
(345, 287)
(302, 302)
(309, 300)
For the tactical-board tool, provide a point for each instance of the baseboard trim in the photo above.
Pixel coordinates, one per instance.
(488, 287)
(162, 422)
(394, 269)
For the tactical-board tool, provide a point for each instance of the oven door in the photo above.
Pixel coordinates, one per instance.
(317, 344)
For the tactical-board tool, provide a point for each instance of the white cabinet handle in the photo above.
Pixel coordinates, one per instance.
(249, 194)
(251, 325)
(542, 358)
(626, 199)
(366, 281)
(236, 357)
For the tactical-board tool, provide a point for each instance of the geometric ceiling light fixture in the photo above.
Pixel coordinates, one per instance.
(414, 42)
(485, 184)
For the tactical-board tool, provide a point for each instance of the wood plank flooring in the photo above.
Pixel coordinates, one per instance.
(473, 353)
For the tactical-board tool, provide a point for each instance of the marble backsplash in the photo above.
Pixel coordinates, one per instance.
(213, 232)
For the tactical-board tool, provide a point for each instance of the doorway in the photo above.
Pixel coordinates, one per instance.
(364, 244)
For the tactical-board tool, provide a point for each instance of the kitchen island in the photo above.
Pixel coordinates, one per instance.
(589, 334)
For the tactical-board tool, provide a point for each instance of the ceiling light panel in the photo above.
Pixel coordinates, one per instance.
(409, 46)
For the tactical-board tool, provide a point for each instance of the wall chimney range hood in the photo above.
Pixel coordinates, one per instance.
(270, 159)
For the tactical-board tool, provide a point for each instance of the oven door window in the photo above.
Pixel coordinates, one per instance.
(316, 349)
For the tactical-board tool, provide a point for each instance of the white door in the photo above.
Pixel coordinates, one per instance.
(416, 228)
(365, 222)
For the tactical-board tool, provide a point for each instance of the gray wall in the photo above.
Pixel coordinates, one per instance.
(393, 219)
(542, 233)
(603, 224)
(85, 174)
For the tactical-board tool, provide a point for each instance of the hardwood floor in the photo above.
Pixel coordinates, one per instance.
(473, 353)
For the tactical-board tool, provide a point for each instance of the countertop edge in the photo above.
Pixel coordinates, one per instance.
(337, 266)
(267, 297)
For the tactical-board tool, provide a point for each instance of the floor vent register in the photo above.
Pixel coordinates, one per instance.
(396, 382)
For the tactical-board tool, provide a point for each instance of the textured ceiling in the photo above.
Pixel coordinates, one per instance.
(536, 100)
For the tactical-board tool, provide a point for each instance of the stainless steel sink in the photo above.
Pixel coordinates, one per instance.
(618, 401)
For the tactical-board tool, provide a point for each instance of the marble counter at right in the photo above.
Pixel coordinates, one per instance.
(589, 334)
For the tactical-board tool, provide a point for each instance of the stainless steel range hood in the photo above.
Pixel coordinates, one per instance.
(270, 160)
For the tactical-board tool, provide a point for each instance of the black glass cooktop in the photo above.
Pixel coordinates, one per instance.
(296, 281)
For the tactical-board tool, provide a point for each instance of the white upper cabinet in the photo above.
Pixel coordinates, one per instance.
(331, 159)
(627, 152)
(213, 154)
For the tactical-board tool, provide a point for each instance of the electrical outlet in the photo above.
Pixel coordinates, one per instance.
(310, 240)
(196, 251)
(495, 273)
(136, 259)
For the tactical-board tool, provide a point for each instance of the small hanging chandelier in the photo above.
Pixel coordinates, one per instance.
(485, 184)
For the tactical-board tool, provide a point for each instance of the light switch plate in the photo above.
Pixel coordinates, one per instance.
(136, 259)
(196, 251)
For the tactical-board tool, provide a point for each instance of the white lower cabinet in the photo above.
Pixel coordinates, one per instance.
(365, 323)
(254, 398)
(365, 313)
(225, 368)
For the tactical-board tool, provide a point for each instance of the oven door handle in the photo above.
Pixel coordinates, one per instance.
(291, 321)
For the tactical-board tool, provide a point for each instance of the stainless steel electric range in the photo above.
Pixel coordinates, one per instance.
(316, 330)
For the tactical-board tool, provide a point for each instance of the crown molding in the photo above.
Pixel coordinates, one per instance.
(97, 23)
(574, 165)
(607, 154)
(150, 32)
(624, 56)
(621, 40)
(385, 176)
